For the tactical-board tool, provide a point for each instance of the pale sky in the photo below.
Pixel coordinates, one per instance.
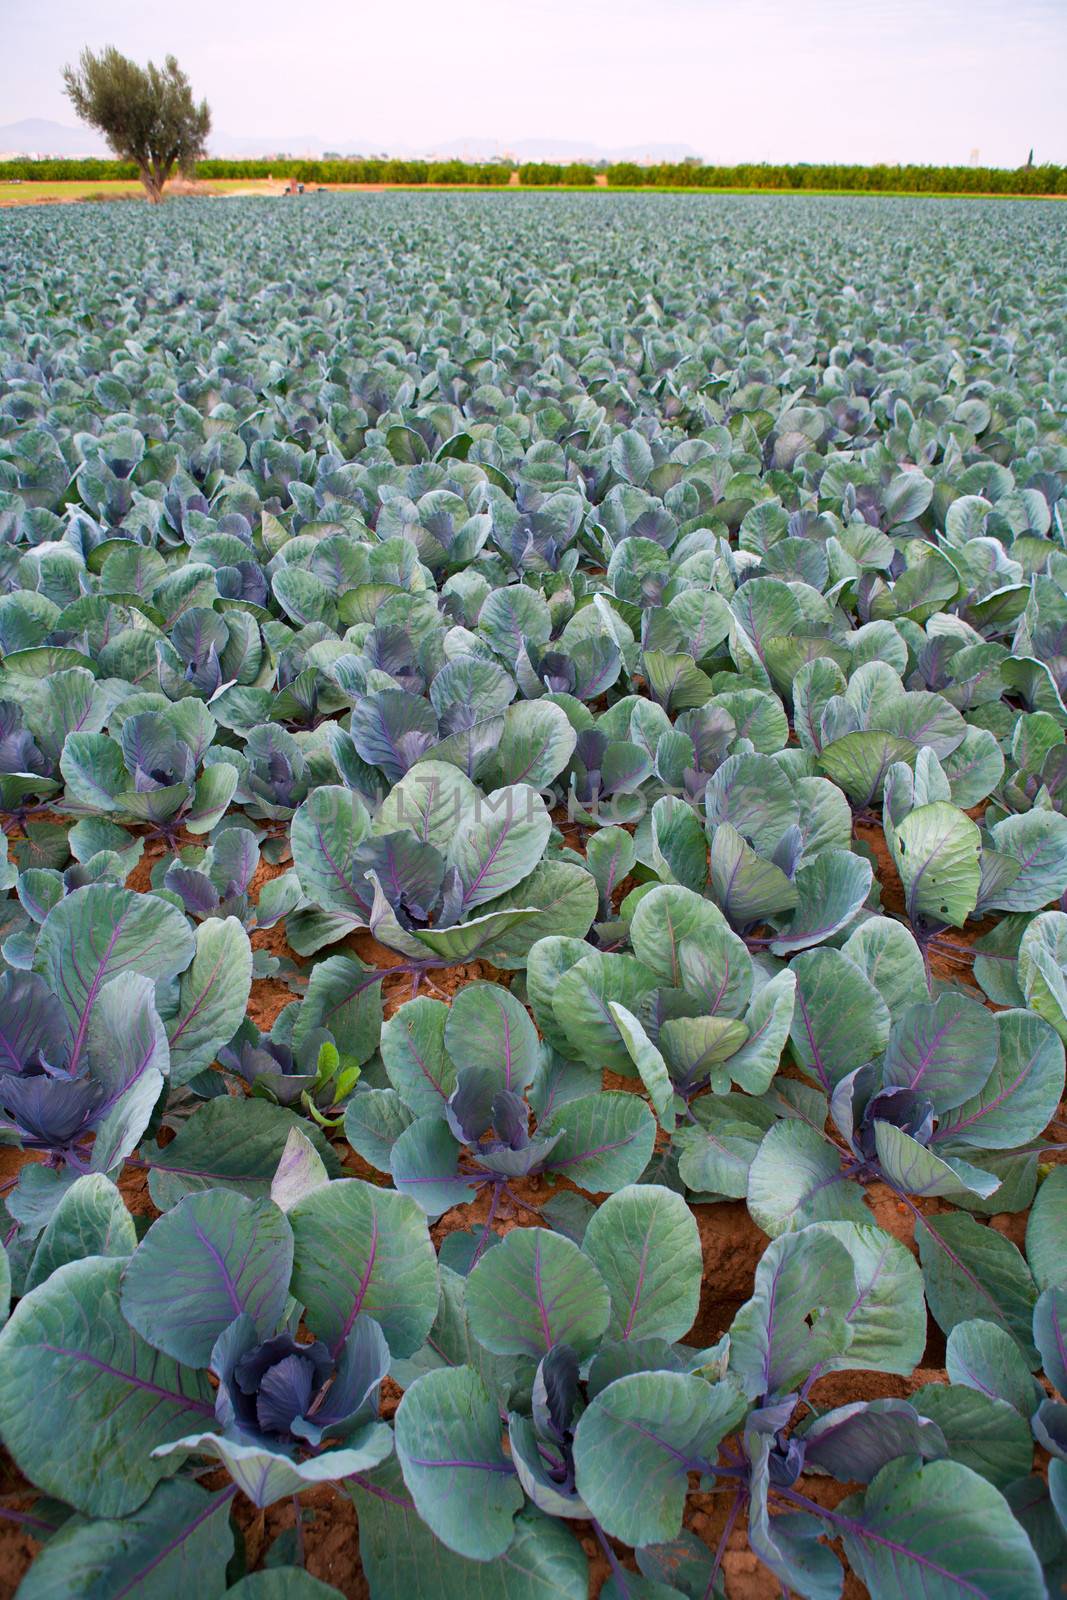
(860, 80)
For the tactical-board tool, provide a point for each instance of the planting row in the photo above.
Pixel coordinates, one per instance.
(504, 764)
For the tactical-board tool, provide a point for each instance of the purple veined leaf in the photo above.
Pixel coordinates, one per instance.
(981, 1356)
(468, 739)
(854, 1442)
(416, 1061)
(831, 891)
(424, 1163)
(581, 1005)
(68, 1344)
(1019, 1098)
(488, 1028)
(557, 898)
(212, 996)
(894, 1535)
(469, 691)
(840, 1021)
(485, 933)
(229, 1143)
(675, 682)
(149, 801)
(768, 1021)
(645, 1243)
(1044, 1229)
(536, 744)
(512, 616)
(198, 894)
(747, 888)
(99, 932)
(753, 794)
(373, 1122)
(716, 969)
(972, 1271)
(796, 1320)
(560, 1080)
(698, 1047)
(766, 607)
(499, 841)
(213, 1257)
(649, 1063)
(597, 664)
(154, 752)
(797, 1177)
(982, 1431)
(609, 856)
(911, 1168)
(234, 859)
(180, 1539)
(937, 851)
(343, 997)
(679, 844)
(543, 1473)
(410, 873)
(267, 1476)
(606, 1140)
(31, 1025)
(428, 802)
(637, 1441)
(1050, 1335)
(94, 772)
(885, 1319)
(667, 916)
(788, 1542)
(393, 730)
(449, 1447)
(89, 1218)
(326, 835)
(129, 1057)
(944, 1049)
(533, 1291)
(360, 1249)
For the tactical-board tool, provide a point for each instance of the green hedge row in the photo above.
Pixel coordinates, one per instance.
(1046, 179)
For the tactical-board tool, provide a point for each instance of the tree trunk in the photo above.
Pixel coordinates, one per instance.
(152, 185)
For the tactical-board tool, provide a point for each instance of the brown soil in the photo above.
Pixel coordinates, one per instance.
(17, 1545)
(952, 958)
(731, 1243)
(331, 1536)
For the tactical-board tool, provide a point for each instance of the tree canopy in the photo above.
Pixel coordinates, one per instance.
(146, 114)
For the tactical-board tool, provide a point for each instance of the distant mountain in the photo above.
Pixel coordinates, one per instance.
(39, 136)
(311, 145)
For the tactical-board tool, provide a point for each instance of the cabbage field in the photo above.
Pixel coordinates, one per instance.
(533, 756)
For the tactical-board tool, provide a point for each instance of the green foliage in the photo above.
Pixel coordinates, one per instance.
(146, 114)
(598, 732)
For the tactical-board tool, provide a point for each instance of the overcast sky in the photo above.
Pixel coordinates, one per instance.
(895, 80)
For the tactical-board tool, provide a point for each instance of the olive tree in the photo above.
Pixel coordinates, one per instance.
(146, 114)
